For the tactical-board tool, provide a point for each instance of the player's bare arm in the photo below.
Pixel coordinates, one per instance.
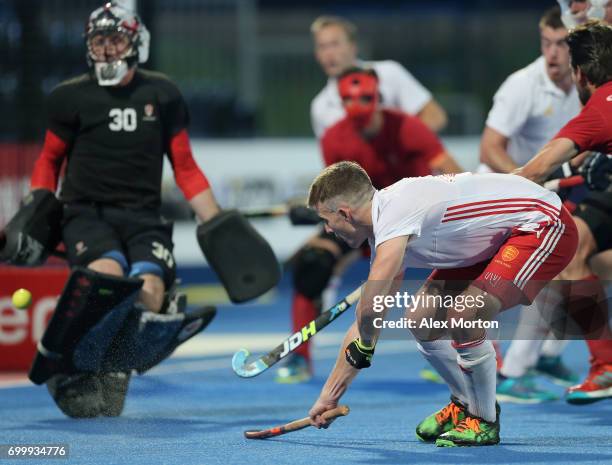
(493, 151)
(381, 281)
(444, 163)
(434, 116)
(552, 156)
(385, 277)
(337, 382)
(204, 205)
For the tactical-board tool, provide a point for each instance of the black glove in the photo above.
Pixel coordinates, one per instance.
(359, 355)
(597, 171)
(564, 171)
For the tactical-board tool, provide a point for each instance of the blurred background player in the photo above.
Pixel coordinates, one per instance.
(335, 41)
(336, 50)
(576, 12)
(590, 49)
(528, 110)
(113, 126)
(594, 258)
(390, 145)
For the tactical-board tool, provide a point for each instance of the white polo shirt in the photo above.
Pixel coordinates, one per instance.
(399, 89)
(459, 220)
(529, 109)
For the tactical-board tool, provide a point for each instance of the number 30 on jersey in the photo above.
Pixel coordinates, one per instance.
(122, 119)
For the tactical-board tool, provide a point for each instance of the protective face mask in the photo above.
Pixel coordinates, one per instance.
(110, 74)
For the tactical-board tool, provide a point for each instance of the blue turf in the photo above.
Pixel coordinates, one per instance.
(195, 410)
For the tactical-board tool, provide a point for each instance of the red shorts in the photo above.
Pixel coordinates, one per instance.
(524, 263)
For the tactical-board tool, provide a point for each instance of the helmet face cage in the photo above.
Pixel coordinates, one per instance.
(111, 19)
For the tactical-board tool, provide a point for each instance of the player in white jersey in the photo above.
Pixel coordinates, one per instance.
(529, 108)
(336, 51)
(532, 104)
(494, 239)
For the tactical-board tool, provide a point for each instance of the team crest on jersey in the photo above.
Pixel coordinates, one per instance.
(149, 113)
(509, 253)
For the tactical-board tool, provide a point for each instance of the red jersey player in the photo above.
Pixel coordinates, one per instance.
(591, 57)
(387, 143)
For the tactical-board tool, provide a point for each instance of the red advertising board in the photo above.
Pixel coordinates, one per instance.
(20, 330)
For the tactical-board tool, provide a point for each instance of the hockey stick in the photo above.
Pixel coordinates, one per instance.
(556, 185)
(266, 212)
(261, 364)
(296, 425)
(298, 214)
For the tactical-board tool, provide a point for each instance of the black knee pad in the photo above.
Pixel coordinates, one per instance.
(596, 211)
(312, 270)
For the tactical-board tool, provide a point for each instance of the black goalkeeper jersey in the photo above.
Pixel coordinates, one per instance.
(116, 137)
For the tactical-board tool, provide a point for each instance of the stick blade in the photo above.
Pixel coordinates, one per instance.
(244, 369)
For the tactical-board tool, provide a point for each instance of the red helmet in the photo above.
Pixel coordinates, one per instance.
(358, 90)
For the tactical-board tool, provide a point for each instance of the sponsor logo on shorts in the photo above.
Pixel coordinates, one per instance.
(509, 253)
(493, 278)
(501, 263)
(609, 98)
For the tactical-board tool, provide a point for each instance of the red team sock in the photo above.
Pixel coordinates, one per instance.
(588, 306)
(303, 312)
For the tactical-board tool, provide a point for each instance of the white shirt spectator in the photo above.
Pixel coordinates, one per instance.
(529, 109)
(399, 90)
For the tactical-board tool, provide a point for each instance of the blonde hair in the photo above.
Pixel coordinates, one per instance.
(324, 21)
(346, 181)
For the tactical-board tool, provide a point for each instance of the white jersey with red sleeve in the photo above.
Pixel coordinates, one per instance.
(460, 220)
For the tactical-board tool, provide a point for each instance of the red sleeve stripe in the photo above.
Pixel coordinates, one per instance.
(47, 168)
(189, 177)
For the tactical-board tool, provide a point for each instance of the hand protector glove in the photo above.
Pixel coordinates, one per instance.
(597, 171)
(359, 355)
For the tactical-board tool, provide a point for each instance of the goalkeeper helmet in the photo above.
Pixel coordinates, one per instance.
(116, 41)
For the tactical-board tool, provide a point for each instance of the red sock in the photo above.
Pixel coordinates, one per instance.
(588, 306)
(303, 312)
(498, 355)
(601, 351)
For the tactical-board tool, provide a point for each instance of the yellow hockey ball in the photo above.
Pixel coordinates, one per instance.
(22, 298)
